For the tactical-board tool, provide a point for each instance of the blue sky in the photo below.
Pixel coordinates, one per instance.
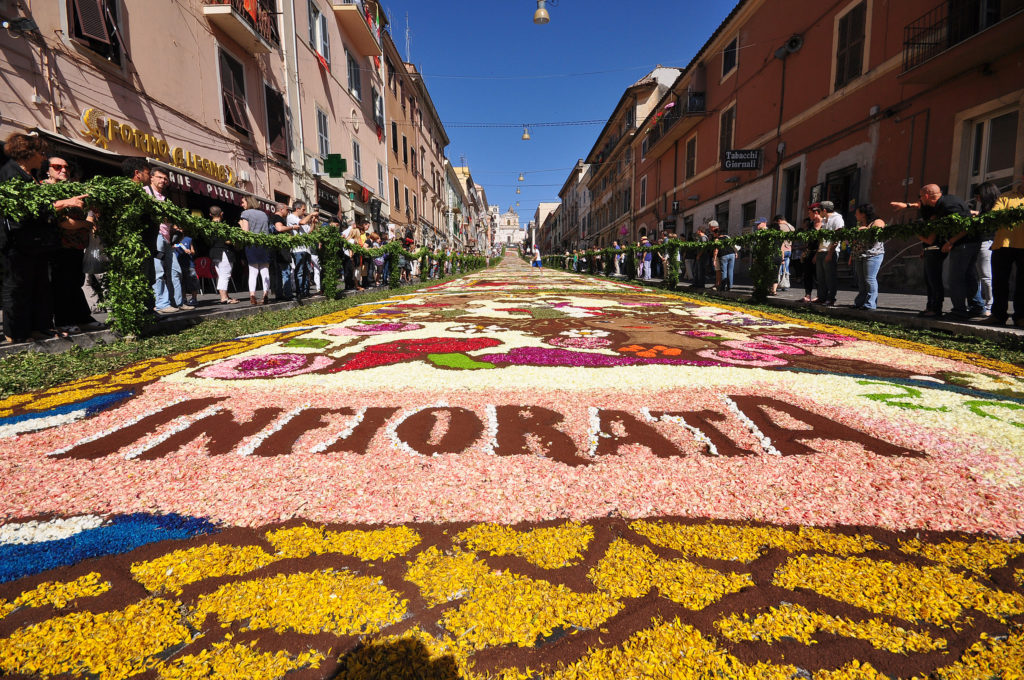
(488, 63)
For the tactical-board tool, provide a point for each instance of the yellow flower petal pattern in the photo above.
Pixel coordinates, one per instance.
(381, 544)
(57, 594)
(746, 544)
(799, 623)
(628, 570)
(229, 661)
(313, 602)
(980, 556)
(168, 573)
(547, 547)
(110, 646)
(668, 650)
(933, 594)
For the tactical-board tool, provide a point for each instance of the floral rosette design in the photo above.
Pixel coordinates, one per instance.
(265, 366)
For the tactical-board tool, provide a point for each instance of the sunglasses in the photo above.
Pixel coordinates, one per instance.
(58, 166)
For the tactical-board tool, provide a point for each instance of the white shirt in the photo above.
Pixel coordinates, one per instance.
(293, 220)
(833, 222)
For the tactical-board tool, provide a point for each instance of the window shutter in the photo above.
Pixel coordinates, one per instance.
(92, 20)
(314, 21)
(233, 90)
(325, 40)
(277, 123)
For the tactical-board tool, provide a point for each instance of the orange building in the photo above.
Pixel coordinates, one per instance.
(788, 103)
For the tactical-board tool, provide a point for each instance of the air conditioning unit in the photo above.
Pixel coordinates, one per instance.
(243, 176)
(318, 166)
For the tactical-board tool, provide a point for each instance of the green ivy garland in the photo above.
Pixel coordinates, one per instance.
(124, 211)
(764, 244)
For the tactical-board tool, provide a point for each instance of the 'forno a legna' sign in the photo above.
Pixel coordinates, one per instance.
(742, 159)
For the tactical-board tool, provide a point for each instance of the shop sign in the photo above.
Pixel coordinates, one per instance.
(741, 159)
(327, 198)
(101, 129)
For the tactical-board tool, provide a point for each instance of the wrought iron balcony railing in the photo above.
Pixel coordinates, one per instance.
(260, 15)
(950, 24)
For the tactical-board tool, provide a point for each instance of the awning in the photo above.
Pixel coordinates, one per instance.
(204, 186)
(81, 148)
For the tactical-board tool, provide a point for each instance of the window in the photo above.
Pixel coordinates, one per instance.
(94, 25)
(232, 84)
(994, 149)
(355, 76)
(380, 180)
(378, 108)
(722, 216)
(277, 121)
(356, 162)
(790, 202)
(415, 207)
(405, 150)
(391, 74)
(726, 130)
(688, 227)
(319, 38)
(323, 138)
(691, 157)
(749, 211)
(394, 136)
(643, 147)
(850, 44)
(643, 191)
(730, 56)
(413, 155)
(406, 200)
(398, 199)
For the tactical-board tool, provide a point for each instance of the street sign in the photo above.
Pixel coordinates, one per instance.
(742, 159)
(335, 165)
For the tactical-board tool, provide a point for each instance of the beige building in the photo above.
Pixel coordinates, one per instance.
(613, 161)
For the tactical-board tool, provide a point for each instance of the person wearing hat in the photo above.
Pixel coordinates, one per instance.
(726, 264)
(701, 260)
(827, 260)
(645, 259)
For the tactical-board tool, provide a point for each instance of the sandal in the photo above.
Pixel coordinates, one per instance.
(229, 301)
(252, 300)
(264, 300)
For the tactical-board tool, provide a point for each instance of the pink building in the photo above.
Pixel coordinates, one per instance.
(230, 96)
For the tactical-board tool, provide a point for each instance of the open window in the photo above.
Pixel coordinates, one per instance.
(94, 25)
(232, 84)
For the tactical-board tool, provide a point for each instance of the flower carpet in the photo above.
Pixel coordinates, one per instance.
(521, 474)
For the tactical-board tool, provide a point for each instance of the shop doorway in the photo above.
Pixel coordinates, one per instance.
(843, 189)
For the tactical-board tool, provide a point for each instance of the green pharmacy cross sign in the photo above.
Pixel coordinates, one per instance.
(335, 165)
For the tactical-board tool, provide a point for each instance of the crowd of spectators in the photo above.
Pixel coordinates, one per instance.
(53, 266)
(973, 271)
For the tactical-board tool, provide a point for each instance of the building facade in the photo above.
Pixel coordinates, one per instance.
(612, 173)
(509, 232)
(865, 101)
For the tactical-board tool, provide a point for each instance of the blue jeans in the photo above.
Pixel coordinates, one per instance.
(964, 289)
(166, 270)
(728, 264)
(301, 261)
(866, 269)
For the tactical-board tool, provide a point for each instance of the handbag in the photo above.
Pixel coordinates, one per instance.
(95, 260)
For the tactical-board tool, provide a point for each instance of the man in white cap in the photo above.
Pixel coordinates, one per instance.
(827, 260)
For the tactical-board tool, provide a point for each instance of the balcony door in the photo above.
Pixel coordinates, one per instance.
(994, 149)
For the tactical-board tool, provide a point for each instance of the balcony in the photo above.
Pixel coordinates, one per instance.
(940, 44)
(352, 21)
(250, 23)
(689, 108)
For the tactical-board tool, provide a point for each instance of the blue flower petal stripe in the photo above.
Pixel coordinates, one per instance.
(88, 407)
(123, 534)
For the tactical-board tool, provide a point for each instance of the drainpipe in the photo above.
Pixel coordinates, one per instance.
(291, 68)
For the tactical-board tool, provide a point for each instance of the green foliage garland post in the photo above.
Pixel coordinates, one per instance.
(124, 211)
(672, 266)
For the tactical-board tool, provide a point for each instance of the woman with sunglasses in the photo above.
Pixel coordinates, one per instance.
(70, 307)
